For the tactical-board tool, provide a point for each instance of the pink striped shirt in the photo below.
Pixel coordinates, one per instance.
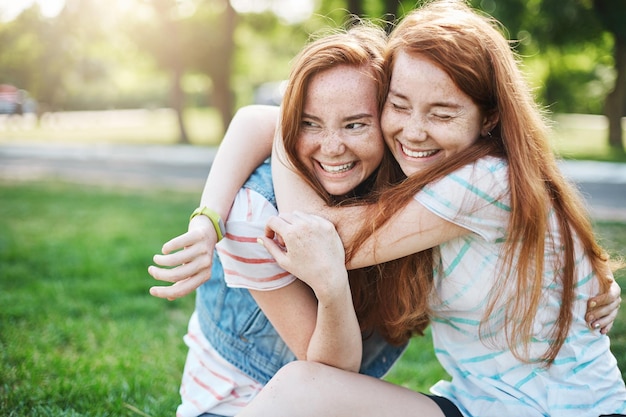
(210, 384)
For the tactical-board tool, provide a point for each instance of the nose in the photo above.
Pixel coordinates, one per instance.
(414, 128)
(333, 144)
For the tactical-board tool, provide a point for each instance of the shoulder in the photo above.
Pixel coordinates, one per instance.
(485, 170)
(486, 179)
(261, 182)
(247, 264)
(250, 206)
(475, 197)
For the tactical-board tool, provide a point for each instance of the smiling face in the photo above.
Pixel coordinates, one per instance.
(426, 117)
(340, 141)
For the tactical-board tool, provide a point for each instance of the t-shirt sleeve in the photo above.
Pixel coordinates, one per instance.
(475, 197)
(246, 263)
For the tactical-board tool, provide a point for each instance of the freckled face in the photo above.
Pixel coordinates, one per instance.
(426, 117)
(340, 139)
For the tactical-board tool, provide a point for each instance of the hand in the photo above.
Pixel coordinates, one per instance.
(190, 255)
(309, 247)
(602, 309)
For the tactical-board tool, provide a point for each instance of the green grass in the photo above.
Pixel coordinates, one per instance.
(79, 333)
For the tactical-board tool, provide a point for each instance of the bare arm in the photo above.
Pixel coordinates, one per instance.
(326, 331)
(247, 143)
(252, 129)
(411, 230)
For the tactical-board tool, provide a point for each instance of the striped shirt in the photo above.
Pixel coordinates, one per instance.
(210, 384)
(486, 379)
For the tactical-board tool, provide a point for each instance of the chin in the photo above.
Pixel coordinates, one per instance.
(410, 170)
(338, 191)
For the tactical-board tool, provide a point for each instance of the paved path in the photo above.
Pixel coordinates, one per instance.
(185, 168)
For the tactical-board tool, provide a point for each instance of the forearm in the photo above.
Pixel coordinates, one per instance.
(336, 340)
(410, 229)
(312, 251)
(247, 142)
(294, 194)
(325, 331)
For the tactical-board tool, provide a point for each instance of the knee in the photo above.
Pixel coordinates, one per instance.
(300, 377)
(300, 371)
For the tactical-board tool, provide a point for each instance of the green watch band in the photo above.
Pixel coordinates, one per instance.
(215, 218)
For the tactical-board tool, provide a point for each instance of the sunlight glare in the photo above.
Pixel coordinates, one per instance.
(10, 9)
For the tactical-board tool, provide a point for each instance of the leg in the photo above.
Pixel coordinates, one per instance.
(313, 389)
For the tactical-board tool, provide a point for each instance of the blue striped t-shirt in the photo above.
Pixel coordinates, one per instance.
(487, 380)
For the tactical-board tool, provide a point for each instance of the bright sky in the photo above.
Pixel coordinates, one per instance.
(290, 10)
(9, 9)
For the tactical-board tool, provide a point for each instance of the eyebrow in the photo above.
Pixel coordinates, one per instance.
(358, 116)
(392, 92)
(448, 104)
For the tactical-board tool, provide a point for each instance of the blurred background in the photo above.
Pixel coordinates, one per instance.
(110, 113)
(173, 71)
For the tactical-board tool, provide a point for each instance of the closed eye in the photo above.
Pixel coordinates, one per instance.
(398, 106)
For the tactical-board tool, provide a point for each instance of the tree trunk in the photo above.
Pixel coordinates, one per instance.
(222, 94)
(178, 104)
(356, 7)
(173, 63)
(391, 9)
(614, 106)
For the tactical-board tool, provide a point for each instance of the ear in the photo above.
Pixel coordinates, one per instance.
(489, 122)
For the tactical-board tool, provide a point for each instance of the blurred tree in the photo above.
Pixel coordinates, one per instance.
(36, 55)
(99, 55)
(210, 35)
(573, 59)
(612, 13)
(200, 39)
(165, 44)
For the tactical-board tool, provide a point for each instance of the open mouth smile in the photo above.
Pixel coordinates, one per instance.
(417, 154)
(335, 169)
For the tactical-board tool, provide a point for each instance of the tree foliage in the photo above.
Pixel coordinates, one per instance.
(173, 52)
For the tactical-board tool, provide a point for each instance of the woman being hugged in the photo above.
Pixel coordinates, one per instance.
(514, 257)
(252, 316)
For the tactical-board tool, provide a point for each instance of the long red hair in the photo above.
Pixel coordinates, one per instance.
(361, 46)
(471, 49)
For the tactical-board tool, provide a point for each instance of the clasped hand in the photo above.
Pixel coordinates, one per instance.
(185, 261)
(309, 247)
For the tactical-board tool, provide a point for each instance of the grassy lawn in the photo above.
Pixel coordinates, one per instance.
(79, 333)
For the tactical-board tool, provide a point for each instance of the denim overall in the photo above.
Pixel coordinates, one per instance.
(237, 328)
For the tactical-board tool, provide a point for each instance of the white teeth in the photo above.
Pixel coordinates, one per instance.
(337, 168)
(417, 154)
